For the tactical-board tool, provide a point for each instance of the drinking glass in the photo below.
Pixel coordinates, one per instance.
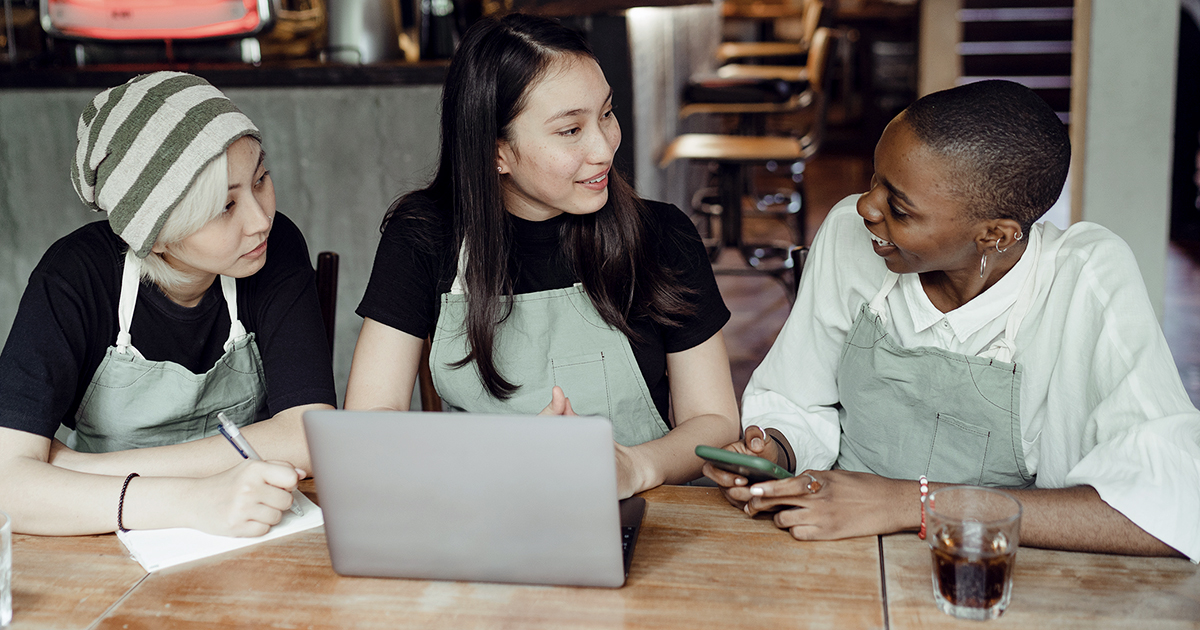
(5, 570)
(973, 535)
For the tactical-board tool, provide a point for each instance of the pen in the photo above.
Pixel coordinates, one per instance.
(235, 437)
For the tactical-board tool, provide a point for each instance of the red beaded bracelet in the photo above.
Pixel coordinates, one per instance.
(924, 494)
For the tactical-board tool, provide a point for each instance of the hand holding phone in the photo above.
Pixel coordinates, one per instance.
(753, 468)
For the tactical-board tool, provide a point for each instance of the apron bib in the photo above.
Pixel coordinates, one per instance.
(907, 412)
(135, 403)
(549, 338)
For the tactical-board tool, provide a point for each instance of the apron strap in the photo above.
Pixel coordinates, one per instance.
(236, 330)
(878, 303)
(1005, 348)
(460, 284)
(130, 279)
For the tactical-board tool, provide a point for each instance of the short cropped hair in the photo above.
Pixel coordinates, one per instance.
(1009, 150)
(202, 203)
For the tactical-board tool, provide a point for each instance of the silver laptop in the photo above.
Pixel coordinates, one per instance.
(477, 497)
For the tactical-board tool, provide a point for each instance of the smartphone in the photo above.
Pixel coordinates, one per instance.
(751, 467)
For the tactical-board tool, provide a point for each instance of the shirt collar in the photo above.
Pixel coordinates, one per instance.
(985, 308)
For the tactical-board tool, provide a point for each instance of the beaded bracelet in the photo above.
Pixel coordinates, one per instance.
(121, 502)
(924, 495)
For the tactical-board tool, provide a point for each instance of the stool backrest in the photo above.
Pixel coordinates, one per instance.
(811, 19)
(327, 284)
(818, 59)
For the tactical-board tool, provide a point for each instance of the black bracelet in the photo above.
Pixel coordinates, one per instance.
(121, 502)
(787, 458)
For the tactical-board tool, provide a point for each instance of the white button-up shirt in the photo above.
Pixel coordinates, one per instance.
(1102, 403)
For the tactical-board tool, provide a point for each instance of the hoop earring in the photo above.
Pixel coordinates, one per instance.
(1018, 237)
(982, 264)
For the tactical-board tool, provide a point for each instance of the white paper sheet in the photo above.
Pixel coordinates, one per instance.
(157, 549)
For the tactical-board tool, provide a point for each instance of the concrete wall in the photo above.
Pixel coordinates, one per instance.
(669, 46)
(339, 156)
(1123, 94)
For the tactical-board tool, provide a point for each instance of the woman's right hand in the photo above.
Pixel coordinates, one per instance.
(245, 500)
(734, 486)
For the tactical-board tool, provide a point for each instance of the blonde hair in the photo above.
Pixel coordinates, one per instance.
(203, 202)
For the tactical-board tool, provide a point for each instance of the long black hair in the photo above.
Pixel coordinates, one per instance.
(611, 251)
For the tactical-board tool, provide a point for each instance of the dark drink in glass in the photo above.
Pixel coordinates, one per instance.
(973, 538)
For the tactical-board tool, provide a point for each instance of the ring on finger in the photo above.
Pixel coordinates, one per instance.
(814, 485)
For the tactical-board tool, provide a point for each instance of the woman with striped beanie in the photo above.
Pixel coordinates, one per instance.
(194, 298)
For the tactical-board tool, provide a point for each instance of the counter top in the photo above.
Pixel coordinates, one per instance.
(291, 74)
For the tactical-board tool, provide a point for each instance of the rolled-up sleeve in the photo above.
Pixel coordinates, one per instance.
(1151, 474)
(794, 389)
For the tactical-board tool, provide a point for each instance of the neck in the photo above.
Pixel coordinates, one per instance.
(189, 293)
(951, 289)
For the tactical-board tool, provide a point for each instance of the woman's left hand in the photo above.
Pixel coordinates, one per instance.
(844, 504)
(559, 405)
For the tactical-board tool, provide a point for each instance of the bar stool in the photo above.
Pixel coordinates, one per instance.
(810, 20)
(730, 156)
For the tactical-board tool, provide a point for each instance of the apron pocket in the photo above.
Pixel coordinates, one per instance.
(582, 378)
(958, 451)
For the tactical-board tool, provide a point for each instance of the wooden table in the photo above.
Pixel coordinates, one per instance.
(1053, 589)
(699, 564)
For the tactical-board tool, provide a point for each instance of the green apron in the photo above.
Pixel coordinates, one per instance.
(135, 403)
(907, 412)
(549, 338)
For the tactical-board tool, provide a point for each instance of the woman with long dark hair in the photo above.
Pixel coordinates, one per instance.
(537, 271)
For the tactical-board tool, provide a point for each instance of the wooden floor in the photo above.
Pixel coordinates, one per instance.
(760, 305)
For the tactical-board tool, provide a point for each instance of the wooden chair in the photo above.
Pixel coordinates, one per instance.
(811, 19)
(798, 255)
(430, 401)
(327, 286)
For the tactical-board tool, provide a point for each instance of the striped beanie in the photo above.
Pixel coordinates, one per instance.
(142, 144)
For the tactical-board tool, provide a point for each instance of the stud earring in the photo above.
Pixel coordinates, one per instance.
(500, 169)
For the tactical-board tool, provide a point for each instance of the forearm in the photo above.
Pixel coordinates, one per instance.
(672, 458)
(1070, 519)
(1077, 519)
(47, 500)
(280, 438)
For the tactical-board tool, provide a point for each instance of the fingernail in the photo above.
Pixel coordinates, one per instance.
(756, 443)
(739, 481)
(746, 508)
(758, 492)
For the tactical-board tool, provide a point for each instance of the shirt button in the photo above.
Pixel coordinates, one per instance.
(945, 324)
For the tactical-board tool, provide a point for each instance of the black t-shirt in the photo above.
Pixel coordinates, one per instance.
(416, 263)
(67, 320)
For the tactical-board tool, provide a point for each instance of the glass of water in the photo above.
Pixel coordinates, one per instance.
(5, 570)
